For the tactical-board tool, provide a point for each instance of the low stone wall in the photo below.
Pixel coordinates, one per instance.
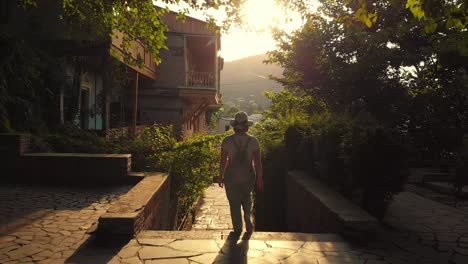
(17, 165)
(12, 146)
(145, 206)
(75, 167)
(315, 208)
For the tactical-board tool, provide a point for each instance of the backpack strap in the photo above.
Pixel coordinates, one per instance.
(238, 147)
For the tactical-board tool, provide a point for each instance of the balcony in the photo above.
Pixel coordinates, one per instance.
(137, 50)
(200, 79)
(199, 85)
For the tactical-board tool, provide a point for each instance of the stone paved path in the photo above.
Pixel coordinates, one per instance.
(214, 211)
(427, 230)
(418, 231)
(448, 199)
(151, 247)
(48, 224)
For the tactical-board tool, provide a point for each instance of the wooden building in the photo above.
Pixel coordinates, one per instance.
(177, 92)
(188, 79)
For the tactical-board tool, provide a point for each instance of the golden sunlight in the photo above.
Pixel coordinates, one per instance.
(261, 15)
(254, 36)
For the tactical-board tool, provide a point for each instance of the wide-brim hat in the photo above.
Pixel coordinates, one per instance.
(241, 120)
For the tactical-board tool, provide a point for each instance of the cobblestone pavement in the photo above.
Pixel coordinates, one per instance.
(447, 199)
(212, 247)
(417, 230)
(426, 230)
(214, 211)
(47, 224)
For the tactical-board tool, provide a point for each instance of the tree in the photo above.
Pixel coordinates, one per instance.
(31, 66)
(344, 67)
(434, 15)
(405, 76)
(137, 19)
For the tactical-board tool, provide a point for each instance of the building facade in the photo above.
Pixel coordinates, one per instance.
(177, 92)
(188, 79)
(104, 91)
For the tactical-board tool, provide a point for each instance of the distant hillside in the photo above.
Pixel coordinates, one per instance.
(247, 78)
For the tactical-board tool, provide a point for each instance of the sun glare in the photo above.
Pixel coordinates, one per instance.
(262, 14)
(254, 37)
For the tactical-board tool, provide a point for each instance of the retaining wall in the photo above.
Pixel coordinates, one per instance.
(145, 206)
(58, 168)
(313, 207)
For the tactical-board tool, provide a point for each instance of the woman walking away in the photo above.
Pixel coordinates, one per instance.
(240, 170)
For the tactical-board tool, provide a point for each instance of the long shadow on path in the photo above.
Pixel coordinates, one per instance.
(98, 250)
(233, 251)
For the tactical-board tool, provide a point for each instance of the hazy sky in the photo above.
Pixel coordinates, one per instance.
(260, 15)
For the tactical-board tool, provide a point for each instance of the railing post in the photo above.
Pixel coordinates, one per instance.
(186, 61)
(135, 103)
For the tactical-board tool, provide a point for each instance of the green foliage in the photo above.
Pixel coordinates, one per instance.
(349, 152)
(404, 77)
(369, 165)
(286, 109)
(192, 163)
(30, 80)
(443, 13)
(138, 20)
(416, 7)
(230, 112)
(146, 147)
(69, 139)
(376, 160)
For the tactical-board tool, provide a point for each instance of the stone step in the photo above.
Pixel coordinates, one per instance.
(224, 234)
(260, 247)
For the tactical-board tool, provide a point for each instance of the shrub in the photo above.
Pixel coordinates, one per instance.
(192, 163)
(70, 139)
(145, 147)
(360, 160)
(376, 160)
(317, 148)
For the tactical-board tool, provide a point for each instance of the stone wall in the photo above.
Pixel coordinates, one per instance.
(145, 206)
(18, 165)
(12, 147)
(314, 207)
(75, 168)
(14, 144)
(155, 214)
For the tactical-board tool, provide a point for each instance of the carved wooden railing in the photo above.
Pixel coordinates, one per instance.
(201, 79)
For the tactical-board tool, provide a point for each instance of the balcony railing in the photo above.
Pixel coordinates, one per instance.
(201, 79)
